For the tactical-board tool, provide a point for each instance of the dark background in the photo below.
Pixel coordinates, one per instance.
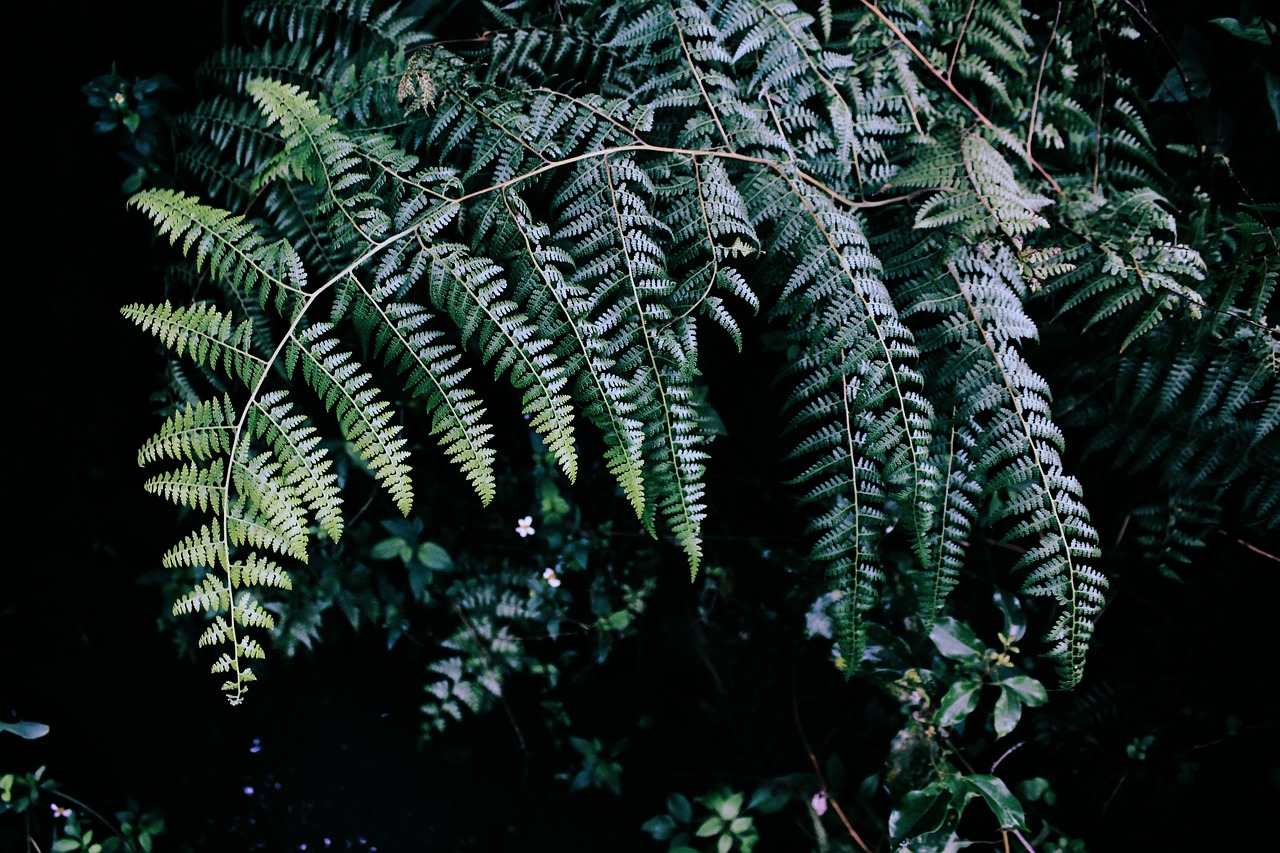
(336, 733)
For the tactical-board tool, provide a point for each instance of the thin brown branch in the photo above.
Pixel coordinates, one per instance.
(902, 37)
(822, 780)
(1254, 548)
(955, 54)
(1035, 101)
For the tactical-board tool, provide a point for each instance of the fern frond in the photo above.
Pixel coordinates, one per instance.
(232, 248)
(204, 334)
(303, 465)
(604, 212)
(191, 486)
(856, 401)
(470, 289)
(342, 384)
(399, 333)
(196, 432)
(538, 272)
(1018, 452)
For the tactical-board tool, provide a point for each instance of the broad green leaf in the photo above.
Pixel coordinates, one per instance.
(434, 557)
(711, 826)
(959, 702)
(26, 730)
(680, 807)
(956, 640)
(1254, 31)
(768, 799)
(1008, 711)
(920, 812)
(391, 549)
(1007, 808)
(730, 806)
(1015, 620)
(419, 575)
(619, 620)
(1029, 690)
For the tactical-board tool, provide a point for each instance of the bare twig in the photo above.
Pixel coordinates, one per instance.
(1254, 548)
(902, 37)
(817, 769)
(955, 54)
(1035, 101)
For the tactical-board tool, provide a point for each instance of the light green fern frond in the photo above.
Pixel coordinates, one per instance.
(365, 418)
(204, 334)
(228, 244)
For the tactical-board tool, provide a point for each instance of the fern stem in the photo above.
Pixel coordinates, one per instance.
(899, 392)
(592, 109)
(836, 96)
(715, 261)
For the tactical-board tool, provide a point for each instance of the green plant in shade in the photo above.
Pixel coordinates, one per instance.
(945, 225)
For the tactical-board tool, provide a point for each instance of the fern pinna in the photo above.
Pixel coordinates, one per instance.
(575, 199)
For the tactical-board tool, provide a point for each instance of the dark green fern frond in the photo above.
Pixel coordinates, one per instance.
(347, 26)
(955, 512)
(1133, 269)
(1018, 449)
(470, 290)
(979, 193)
(604, 212)
(540, 272)
(711, 230)
(856, 399)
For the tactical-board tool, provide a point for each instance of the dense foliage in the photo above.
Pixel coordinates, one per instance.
(820, 340)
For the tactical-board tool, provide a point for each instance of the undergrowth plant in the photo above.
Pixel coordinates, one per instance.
(407, 233)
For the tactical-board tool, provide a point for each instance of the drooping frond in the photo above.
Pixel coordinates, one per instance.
(604, 213)
(399, 332)
(856, 405)
(541, 275)
(1017, 447)
(364, 416)
(303, 463)
(470, 289)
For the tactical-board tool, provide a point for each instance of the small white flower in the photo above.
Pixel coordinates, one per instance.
(118, 97)
(819, 803)
(549, 575)
(525, 526)
(59, 811)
